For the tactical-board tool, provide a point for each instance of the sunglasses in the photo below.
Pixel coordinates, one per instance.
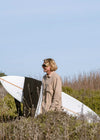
(43, 65)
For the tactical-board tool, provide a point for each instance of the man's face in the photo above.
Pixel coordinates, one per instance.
(46, 68)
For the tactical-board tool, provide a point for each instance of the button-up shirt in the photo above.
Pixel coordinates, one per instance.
(52, 88)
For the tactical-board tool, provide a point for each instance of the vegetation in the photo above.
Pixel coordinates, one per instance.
(2, 74)
(7, 108)
(52, 126)
(55, 125)
(86, 88)
(84, 81)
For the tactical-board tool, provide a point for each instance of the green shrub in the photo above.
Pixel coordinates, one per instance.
(7, 108)
(68, 90)
(2, 74)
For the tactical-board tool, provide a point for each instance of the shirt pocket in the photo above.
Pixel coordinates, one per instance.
(49, 88)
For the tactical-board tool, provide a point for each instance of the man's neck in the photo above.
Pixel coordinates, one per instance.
(49, 72)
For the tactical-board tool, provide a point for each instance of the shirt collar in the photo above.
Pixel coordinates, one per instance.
(48, 76)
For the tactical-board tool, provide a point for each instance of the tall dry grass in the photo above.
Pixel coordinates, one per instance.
(84, 81)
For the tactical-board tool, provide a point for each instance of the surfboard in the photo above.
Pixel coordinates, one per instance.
(14, 86)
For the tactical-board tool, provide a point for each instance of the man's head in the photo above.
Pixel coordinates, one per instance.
(49, 62)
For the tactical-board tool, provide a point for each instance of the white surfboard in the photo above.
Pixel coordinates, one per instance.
(76, 108)
(14, 86)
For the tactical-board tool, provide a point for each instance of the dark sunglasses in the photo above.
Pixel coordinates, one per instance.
(44, 65)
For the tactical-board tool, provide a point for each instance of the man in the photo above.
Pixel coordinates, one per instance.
(52, 87)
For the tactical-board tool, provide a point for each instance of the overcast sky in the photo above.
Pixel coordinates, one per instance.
(65, 30)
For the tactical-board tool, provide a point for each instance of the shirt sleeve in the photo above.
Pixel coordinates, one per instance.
(56, 98)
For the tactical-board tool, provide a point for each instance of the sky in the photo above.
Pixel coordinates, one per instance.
(66, 30)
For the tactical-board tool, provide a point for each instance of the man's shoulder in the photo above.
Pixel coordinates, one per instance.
(56, 75)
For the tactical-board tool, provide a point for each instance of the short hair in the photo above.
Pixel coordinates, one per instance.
(50, 62)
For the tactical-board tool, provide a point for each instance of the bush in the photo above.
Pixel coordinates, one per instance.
(7, 108)
(52, 126)
(2, 74)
